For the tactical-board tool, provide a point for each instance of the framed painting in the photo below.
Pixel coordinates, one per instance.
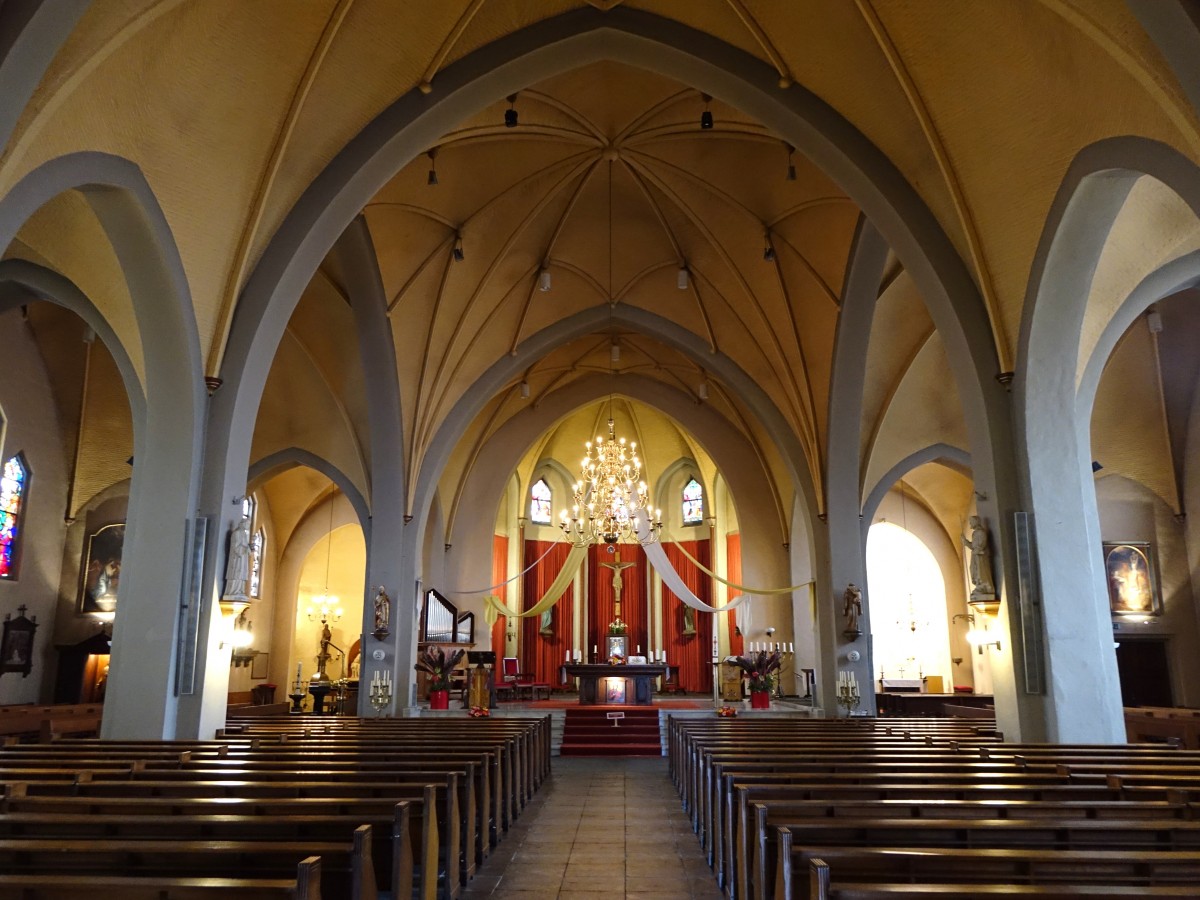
(16, 643)
(259, 668)
(616, 645)
(101, 581)
(1132, 579)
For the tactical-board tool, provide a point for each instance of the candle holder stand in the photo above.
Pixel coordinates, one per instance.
(380, 696)
(848, 697)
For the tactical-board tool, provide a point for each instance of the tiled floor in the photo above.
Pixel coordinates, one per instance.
(599, 828)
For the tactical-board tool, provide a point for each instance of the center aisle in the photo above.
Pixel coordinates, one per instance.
(599, 828)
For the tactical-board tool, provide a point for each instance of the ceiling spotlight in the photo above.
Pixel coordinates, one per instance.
(681, 278)
(706, 117)
(614, 352)
(510, 114)
(544, 280)
(703, 390)
(791, 166)
(432, 179)
(524, 390)
(459, 256)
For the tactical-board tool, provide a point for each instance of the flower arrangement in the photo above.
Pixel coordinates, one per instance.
(437, 664)
(479, 712)
(727, 712)
(759, 668)
(616, 626)
(615, 660)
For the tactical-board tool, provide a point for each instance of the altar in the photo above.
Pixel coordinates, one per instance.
(601, 683)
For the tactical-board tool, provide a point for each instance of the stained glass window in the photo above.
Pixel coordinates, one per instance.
(539, 505)
(693, 503)
(12, 496)
(257, 544)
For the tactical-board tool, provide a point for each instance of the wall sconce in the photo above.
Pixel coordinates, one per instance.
(240, 640)
(976, 637)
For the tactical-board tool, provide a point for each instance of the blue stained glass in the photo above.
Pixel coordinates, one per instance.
(12, 493)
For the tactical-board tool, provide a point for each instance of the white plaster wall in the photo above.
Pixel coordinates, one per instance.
(34, 429)
(1131, 512)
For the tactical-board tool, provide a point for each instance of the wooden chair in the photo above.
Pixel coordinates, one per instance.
(519, 682)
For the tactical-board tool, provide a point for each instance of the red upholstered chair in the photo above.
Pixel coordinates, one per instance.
(519, 682)
(506, 684)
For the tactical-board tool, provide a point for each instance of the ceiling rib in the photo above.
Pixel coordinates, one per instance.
(938, 148)
(447, 45)
(583, 182)
(258, 204)
(787, 375)
(426, 412)
(760, 36)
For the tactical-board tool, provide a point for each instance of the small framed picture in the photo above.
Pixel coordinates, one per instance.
(614, 690)
(1132, 579)
(616, 645)
(16, 643)
(259, 666)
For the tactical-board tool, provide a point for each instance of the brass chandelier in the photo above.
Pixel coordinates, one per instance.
(611, 502)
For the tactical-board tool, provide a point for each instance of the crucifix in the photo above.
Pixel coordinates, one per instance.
(617, 566)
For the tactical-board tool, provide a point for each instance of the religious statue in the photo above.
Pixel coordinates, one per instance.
(852, 608)
(324, 655)
(689, 619)
(237, 567)
(983, 588)
(383, 613)
(546, 623)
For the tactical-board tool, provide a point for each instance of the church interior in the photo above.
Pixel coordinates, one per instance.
(310, 312)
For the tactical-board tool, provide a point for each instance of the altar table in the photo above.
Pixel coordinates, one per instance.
(589, 675)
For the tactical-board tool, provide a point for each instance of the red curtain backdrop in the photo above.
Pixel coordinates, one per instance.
(541, 654)
(633, 598)
(733, 566)
(691, 652)
(499, 574)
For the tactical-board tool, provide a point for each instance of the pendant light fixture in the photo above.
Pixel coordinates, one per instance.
(325, 607)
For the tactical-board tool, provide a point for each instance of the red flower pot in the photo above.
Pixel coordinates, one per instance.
(439, 699)
(760, 699)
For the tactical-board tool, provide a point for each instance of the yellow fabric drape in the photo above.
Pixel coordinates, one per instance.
(553, 593)
(739, 587)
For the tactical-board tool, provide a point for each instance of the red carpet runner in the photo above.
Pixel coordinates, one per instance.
(589, 732)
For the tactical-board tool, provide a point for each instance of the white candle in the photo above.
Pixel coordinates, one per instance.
(639, 650)
(595, 653)
(791, 647)
(298, 670)
(568, 657)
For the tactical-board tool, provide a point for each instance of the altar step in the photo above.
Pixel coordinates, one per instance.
(588, 731)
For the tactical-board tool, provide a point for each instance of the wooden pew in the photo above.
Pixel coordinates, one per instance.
(346, 867)
(822, 887)
(424, 864)
(31, 886)
(939, 834)
(899, 865)
(392, 852)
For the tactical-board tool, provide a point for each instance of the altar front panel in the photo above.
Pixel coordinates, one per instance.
(594, 680)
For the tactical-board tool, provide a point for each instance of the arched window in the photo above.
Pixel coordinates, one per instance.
(258, 544)
(13, 485)
(909, 626)
(539, 504)
(693, 503)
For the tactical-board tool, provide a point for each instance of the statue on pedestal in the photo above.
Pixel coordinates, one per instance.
(383, 613)
(983, 588)
(852, 608)
(237, 567)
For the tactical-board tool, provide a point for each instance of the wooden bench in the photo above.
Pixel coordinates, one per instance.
(822, 887)
(391, 853)
(899, 865)
(29, 886)
(346, 867)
